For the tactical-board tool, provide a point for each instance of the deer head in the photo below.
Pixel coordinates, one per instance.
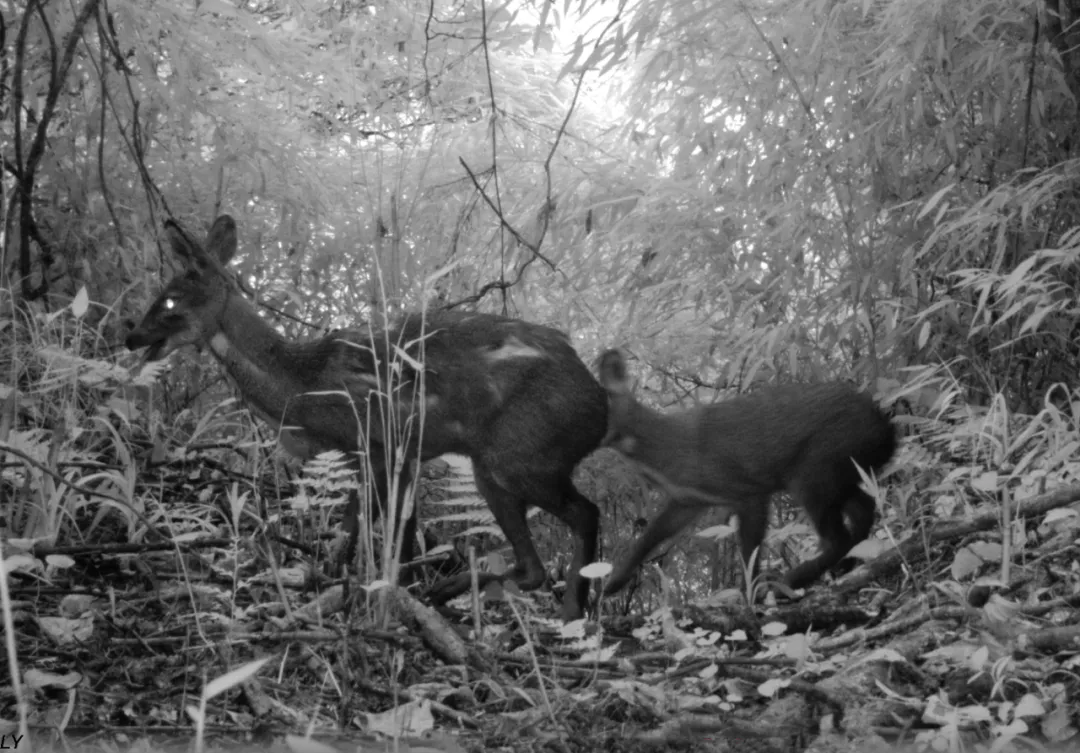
(189, 310)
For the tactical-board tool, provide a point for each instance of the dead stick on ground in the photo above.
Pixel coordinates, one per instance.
(911, 547)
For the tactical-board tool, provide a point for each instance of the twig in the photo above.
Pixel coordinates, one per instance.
(910, 547)
(42, 550)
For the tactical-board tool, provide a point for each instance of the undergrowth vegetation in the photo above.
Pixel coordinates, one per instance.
(112, 477)
(737, 194)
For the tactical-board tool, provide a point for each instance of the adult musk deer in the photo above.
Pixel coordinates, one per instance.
(512, 396)
(735, 454)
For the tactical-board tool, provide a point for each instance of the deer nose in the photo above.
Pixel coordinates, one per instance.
(136, 339)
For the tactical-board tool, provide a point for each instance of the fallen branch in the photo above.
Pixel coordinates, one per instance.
(913, 545)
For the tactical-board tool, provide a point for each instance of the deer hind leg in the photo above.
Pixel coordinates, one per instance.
(555, 493)
(508, 505)
(509, 511)
(827, 501)
(508, 499)
(861, 513)
(753, 521)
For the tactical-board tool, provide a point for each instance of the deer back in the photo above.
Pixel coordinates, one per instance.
(751, 444)
(471, 379)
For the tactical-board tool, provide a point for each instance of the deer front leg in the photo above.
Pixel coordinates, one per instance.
(675, 516)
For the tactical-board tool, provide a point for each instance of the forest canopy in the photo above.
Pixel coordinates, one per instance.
(737, 192)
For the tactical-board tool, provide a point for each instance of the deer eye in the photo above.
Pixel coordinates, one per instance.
(169, 304)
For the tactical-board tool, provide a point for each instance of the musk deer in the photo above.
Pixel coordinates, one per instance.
(735, 454)
(512, 396)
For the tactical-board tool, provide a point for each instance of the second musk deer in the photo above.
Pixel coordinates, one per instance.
(805, 439)
(512, 396)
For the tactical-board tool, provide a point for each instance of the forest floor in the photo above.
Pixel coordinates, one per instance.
(183, 645)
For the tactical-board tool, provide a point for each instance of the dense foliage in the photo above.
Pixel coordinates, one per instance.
(738, 192)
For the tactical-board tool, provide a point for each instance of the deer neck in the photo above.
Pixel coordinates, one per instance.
(668, 451)
(257, 359)
(665, 444)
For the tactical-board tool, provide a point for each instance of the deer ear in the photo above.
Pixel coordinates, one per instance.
(185, 249)
(613, 372)
(221, 243)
